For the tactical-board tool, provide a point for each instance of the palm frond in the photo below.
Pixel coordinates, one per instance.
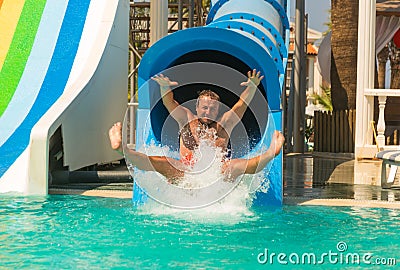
(325, 98)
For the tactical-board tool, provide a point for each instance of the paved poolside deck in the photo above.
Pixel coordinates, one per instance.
(309, 179)
(326, 179)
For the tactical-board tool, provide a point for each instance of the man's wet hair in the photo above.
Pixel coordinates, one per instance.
(208, 93)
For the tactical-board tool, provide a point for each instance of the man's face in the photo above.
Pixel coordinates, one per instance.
(207, 109)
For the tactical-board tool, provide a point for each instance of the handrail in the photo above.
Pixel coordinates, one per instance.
(382, 92)
(382, 95)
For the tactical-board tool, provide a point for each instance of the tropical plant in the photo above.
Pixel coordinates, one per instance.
(324, 99)
(328, 24)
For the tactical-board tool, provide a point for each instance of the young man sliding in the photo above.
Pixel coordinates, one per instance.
(205, 126)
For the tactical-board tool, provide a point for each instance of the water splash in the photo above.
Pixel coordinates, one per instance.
(202, 179)
(207, 166)
(233, 209)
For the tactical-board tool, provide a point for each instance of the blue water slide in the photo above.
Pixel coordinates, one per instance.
(240, 35)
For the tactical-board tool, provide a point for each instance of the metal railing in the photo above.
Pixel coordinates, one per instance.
(189, 14)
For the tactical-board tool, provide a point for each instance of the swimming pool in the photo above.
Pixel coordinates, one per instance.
(71, 231)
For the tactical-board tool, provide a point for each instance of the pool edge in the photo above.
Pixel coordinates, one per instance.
(301, 201)
(341, 202)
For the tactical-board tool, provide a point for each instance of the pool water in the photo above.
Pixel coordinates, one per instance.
(68, 231)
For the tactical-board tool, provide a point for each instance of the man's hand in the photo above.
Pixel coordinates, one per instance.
(232, 117)
(178, 112)
(164, 82)
(253, 80)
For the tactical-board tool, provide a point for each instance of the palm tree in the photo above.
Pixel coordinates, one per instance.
(394, 66)
(383, 56)
(344, 16)
(392, 113)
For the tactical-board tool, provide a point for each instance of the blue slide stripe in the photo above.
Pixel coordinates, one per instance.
(54, 82)
(35, 69)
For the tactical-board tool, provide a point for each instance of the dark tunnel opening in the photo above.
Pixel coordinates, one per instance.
(244, 136)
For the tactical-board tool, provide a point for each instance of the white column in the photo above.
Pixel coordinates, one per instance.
(158, 20)
(365, 73)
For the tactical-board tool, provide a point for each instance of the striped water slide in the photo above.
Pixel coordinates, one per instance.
(50, 50)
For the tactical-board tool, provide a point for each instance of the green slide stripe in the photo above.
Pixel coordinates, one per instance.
(20, 49)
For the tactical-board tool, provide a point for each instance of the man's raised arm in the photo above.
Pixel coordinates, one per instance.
(232, 117)
(178, 112)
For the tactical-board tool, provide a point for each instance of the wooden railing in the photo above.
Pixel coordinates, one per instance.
(334, 131)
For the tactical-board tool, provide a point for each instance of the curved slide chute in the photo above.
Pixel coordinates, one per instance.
(63, 78)
(240, 35)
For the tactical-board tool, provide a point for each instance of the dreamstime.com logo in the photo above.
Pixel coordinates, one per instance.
(338, 256)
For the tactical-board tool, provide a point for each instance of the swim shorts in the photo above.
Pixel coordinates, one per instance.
(188, 159)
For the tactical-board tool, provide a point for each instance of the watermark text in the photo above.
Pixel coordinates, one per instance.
(337, 256)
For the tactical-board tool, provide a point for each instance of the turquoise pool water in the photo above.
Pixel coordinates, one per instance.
(77, 232)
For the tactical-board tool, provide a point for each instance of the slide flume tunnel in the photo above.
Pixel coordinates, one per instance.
(239, 36)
